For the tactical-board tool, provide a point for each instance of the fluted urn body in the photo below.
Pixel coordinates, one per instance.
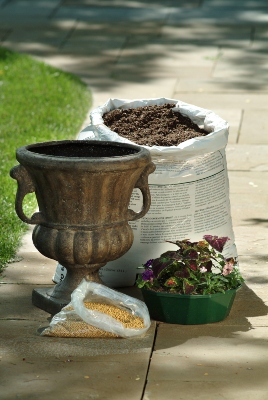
(83, 189)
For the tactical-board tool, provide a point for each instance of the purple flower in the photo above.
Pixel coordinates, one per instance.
(216, 242)
(148, 263)
(147, 275)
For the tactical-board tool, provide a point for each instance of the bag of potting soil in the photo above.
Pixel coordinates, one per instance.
(189, 188)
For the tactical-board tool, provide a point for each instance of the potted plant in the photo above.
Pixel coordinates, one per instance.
(195, 284)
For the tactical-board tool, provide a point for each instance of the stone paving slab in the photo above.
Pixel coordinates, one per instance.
(248, 183)
(250, 306)
(21, 339)
(125, 89)
(211, 101)
(95, 72)
(211, 54)
(30, 47)
(254, 268)
(254, 127)
(27, 10)
(48, 35)
(144, 30)
(34, 367)
(205, 390)
(143, 70)
(122, 3)
(254, 63)
(261, 34)
(69, 377)
(205, 354)
(16, 303)
(246, 157)
(201, 35)
(247, 4)
(3, 34)
(232, 14)
(234, 118)
(249, 201)
(107, 14)
(247, 215)
(33, 24)
(251, 240)
(219, 85)
(33, 268)
(166, 53)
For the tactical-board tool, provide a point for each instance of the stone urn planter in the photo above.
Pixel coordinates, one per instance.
(83, 191)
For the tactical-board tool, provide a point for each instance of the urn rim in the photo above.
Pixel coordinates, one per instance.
(32, 153)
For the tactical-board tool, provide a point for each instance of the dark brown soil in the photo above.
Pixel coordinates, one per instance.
(152, 125)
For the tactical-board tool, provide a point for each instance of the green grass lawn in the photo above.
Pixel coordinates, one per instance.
(37, 103)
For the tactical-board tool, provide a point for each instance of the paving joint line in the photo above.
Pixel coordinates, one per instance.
(240, 126)
(252, 36)
(55, 10)
(149, 363)
(69, 34)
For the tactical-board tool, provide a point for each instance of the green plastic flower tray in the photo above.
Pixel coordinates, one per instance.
(188, 309)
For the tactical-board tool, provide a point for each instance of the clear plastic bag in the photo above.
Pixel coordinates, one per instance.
(97, 293)
(98, 311)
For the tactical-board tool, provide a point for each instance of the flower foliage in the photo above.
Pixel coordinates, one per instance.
(195, 268)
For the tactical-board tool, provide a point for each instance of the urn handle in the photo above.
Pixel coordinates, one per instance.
(143, 185)
(25, 186)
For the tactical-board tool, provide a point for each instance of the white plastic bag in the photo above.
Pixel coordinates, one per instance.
(189, 189)
(82, 319)
(207, 119)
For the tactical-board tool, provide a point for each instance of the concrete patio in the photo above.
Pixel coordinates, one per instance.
(210, 53)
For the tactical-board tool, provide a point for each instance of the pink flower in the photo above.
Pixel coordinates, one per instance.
(203, 269)
(228, 268)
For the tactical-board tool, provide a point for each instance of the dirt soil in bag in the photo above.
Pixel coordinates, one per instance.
(153, 125)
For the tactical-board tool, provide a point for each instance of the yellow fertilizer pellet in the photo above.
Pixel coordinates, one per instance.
(79, 328)
(126, 319)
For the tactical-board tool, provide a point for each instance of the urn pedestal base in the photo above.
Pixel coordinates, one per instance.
(42, 298)
(53, 299)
